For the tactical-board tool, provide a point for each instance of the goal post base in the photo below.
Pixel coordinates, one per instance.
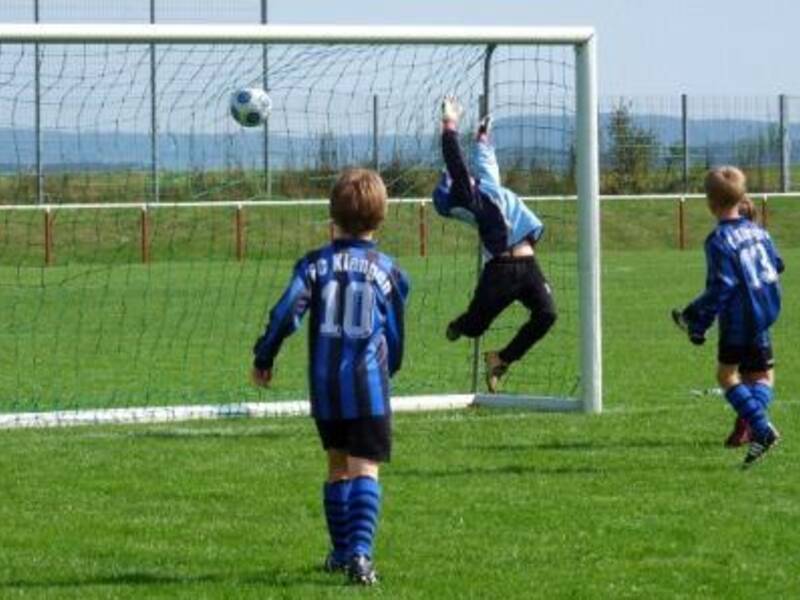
(532, 403)
(169, 414)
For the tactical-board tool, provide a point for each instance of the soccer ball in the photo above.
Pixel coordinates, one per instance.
(250, 107)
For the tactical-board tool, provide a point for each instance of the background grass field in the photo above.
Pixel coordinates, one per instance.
(641, 502)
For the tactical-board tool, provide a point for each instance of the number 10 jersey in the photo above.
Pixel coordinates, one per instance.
(356, 299)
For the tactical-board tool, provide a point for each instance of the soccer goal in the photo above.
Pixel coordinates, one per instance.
(144, 233)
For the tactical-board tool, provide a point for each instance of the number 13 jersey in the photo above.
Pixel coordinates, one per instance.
(356, 298)
(742, 284)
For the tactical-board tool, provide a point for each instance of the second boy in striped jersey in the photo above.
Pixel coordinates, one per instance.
(356, 296)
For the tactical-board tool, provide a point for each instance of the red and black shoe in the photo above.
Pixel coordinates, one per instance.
(741, 434)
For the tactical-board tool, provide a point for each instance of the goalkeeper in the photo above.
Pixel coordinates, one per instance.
(508, 232)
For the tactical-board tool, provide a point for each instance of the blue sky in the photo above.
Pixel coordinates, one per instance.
(724, 47)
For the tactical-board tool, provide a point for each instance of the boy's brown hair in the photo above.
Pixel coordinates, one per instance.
(725, 186)
(358, 201)
(747, 209)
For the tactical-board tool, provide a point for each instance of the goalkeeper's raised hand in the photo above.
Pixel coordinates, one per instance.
(484, 128)
(451, 112)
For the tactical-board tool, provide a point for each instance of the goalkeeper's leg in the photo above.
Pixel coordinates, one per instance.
(493, 295)
(537, 296)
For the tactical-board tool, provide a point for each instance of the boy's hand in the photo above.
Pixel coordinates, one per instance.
(451, 111)
(484, 127)
(698, 339)
(261, 377)
(680, 320)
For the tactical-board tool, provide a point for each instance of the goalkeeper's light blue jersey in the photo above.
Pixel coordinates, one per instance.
(502, 219)
(742, 284)
(356, 296)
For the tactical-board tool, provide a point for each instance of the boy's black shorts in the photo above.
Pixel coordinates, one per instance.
(751, 358)
(367, 437)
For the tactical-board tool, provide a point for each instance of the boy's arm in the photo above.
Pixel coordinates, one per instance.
(395, 321)
(284, 319)
(775, 256)
(720, 284)
(461, 188)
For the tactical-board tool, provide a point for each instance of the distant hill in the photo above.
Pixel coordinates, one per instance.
(529, 136)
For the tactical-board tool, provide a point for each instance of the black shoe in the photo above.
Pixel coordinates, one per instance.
(453, 333)
(761, 445)
(361, 571)
(333, 564)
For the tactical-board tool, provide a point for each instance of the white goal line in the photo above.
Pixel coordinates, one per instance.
(167, 414)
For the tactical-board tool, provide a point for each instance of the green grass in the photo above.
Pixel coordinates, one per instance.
(640, 502)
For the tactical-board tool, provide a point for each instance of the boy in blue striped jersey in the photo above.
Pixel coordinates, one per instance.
(508, 232)
(743, 292)
(356, 297)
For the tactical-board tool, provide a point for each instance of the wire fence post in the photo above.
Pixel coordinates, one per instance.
(786, 144)
(685, 140)
(239, 232)
(682, 223)
(423, 230)
(155, 192)
(37, 111)
(48, 237)
(265, 85)
(376, 159)
(144, 235)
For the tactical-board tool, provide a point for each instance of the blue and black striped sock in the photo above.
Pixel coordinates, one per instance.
(363, 505)
(762, 393)
(748, 407)
(335, 498)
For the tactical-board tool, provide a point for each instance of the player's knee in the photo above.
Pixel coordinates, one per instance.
(727, 376)
(545, 320)
(766, 377)
(362, 467)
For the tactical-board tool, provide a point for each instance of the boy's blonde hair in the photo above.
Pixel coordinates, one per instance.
(725, 186)
(358, 201)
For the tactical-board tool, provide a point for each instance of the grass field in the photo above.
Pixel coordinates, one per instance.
(641, 502)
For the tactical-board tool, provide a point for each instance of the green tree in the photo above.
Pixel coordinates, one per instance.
(632, 151)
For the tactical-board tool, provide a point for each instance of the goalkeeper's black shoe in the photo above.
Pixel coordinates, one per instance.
(361, 571)
(761, 445)
(453, 332)
(333, 565)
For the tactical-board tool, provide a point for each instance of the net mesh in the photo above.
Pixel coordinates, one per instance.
(116, 307)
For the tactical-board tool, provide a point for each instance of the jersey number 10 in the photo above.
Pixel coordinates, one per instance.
(356, 319)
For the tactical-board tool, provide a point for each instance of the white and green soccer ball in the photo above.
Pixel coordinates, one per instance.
(250, 107)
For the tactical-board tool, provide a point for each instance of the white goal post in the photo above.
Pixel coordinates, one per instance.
(586, 175)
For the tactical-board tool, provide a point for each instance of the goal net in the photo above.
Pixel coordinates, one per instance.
(144, 234)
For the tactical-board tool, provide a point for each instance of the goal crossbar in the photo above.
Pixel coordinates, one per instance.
(117, 33)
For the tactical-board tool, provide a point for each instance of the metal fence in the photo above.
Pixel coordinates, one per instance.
(649, 144)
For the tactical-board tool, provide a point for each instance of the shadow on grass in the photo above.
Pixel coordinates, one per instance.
(495, 471)
(222, 433)
(279, 579)
(640, 444)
